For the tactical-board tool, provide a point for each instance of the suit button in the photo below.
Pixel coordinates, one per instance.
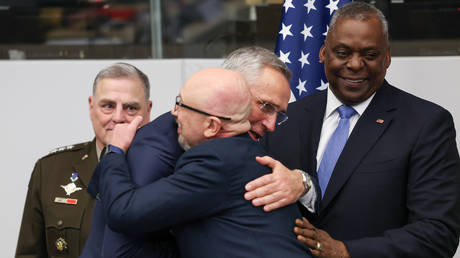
(59, 223)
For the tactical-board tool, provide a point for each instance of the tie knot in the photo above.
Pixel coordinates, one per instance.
(346, 111)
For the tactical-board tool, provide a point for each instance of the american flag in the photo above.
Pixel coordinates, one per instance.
(303, 28)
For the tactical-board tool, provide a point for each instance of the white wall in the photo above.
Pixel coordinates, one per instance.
(44, 106)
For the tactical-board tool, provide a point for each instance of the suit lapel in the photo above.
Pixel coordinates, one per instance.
(369, 128)
(86, 164)
(310, 131)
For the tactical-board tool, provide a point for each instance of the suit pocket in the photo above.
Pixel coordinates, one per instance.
(380, 166)
(63, 224)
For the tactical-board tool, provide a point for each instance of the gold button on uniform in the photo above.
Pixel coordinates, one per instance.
(61, 244)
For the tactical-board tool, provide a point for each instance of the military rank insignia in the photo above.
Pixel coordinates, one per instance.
(71, 188)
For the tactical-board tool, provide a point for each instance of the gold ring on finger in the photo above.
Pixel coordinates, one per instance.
(318, 246)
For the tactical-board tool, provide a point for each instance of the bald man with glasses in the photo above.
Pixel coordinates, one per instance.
(203, 199)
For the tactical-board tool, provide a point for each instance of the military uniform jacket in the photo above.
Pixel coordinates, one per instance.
(58, 210)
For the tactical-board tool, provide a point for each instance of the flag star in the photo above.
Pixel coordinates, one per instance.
(310, 5)
(332, 6)
(327, 30)
(285, 57)
(306, 32)
(301, 86)
(323, 85)
(304, 58)
(285, 30)
(308, 19)
(288, 4)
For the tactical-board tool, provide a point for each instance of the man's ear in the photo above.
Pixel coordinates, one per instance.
(212, 127)
(90, 103)
(388, 58)
(322, 53)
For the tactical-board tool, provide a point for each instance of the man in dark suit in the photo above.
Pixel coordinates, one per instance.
(58, 210)
(394, 189)
(152, 155)
(202, 200)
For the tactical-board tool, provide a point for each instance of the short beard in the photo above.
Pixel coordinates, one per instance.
(183, 143)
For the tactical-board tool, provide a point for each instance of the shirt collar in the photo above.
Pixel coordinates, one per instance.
(333, 103)
(98, 152)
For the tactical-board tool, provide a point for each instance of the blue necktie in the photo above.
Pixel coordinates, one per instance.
(334, 147)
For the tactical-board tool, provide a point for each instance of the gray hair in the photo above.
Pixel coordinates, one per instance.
(249, 61)
(360, 11)
(119, 70)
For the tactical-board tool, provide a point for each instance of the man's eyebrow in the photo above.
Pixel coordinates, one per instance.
(105, 101)
(278, 108)
(268, 101)
(371, 48)
(131, 103)
(341, 45)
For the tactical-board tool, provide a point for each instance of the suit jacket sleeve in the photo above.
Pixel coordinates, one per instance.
(32, 241)
(432, 199)
(196, 189)
(151, 156)
(154, 151)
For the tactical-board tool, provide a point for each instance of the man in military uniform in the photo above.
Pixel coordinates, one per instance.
(58, 210)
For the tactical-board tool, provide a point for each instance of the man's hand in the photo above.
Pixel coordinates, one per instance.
(278, 189)
(321, 244)
(123, 134)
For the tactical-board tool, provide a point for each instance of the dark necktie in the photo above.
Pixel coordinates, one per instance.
(334, 147)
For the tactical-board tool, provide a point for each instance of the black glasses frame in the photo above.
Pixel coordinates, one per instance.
(178, 99)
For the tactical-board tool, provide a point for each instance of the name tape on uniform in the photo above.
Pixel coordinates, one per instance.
(65, 200)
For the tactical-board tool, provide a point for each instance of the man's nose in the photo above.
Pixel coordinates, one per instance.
(355, 62)
(270, 122)
(119, 115)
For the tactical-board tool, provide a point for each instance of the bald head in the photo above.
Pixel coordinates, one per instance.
(219, 92)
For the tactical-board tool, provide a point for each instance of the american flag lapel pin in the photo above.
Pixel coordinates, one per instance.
(380, 121)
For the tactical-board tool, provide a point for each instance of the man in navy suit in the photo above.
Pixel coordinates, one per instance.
(153, 155)
(203, 199)
(394, 190)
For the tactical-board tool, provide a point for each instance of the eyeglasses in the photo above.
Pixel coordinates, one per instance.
(270, 109)
(178, 103)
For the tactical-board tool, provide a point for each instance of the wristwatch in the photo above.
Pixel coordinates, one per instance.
(306, 180)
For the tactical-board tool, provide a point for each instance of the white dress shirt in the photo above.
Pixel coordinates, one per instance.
(331, 121)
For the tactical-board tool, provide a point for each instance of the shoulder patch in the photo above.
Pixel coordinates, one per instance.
(68, 148)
